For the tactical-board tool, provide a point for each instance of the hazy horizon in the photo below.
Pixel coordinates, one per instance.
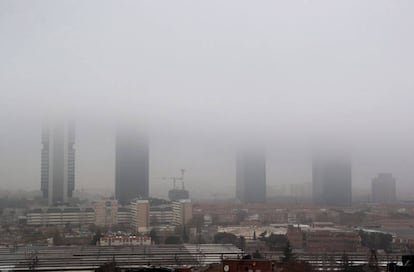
(207, 77)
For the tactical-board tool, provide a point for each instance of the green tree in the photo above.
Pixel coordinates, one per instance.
(185, 235)
(257, 255)
(154, 236)
(57, 237)
(288, 255)
(173, 240)
(242, 244)
(345, 265)
(225, 238)
(96, 237)
(376, 240)
(275, 241)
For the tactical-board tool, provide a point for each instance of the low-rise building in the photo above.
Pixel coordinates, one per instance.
(329, 239)
(124, 215)
(161, 215)
(60, 216)
(323, 239)
(125, 240)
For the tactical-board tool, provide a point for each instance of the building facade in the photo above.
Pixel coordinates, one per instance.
(58, 162)
(140, 214)
(125, 240)
(384, 188)
(106, 212)
(161, 215)
(131, 165)
(332, 179)
(251, 176)
(182, 212)
(60, 216)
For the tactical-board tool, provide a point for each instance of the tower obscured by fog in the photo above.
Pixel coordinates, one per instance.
(58, 162)
(332, 179)
(131, 164)
(251, 176)
(384, 188)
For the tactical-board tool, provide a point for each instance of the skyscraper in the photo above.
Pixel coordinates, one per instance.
(251, 176)
(58, 161)
(131, 165)
(332, 179)
(384, 188)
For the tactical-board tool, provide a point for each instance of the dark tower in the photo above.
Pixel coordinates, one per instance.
(332, 179)
(251, 176)
(131, 164)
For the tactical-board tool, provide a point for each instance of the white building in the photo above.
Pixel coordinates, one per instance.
(125, 240)
(161, 215)
(106, 212)
(140, 215)
(182, 212)
(61, 216)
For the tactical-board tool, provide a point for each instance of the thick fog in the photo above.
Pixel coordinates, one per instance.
(206, 77)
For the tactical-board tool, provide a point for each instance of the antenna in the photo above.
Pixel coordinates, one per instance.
(182, 170)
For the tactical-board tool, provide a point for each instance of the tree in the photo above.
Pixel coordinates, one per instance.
(154, 236)
(288, 255)
(241, 215)
(225, 238)
(57, 237)
(257, 255)
(376, 240)
(242, 244)
(173, 240)
(185, 235)
(275, 241)
(345, 263)
(96, 237)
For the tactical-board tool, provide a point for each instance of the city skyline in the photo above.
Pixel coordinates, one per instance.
(158, 188)
(130, 138)
(210, 135)
(283, 74)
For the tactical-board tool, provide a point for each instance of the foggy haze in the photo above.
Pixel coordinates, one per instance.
(208, 76)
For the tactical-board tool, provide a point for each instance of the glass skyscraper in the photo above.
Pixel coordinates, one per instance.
(58, 161)
(131, 164)
(332, 178)
(251, 176)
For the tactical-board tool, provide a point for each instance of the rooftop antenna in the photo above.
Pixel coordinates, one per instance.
(182, 177)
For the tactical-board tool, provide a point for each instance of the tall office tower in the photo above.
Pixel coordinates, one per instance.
(332, 179)
(132, 165)
(58, 162)
(251, 176)
(384, 188)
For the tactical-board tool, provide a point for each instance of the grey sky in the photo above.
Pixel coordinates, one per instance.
(207, 74)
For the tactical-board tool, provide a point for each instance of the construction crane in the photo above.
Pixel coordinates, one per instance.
(176, 193)
(174, 179)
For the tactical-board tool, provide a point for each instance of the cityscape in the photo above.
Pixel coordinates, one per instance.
(319, 223)
(206, 136)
